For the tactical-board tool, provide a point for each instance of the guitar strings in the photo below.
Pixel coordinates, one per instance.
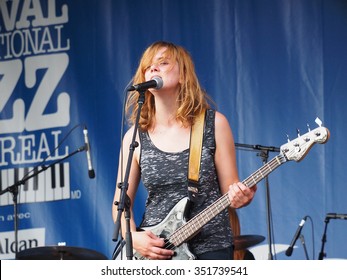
(273, 164)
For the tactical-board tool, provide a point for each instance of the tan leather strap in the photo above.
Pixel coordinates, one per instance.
(196, 148)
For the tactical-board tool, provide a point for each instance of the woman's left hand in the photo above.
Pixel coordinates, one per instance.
(240, 195)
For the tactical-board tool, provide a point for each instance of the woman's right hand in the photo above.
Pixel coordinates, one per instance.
(150, 246)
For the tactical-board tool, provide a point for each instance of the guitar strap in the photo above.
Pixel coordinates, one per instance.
(195, 150)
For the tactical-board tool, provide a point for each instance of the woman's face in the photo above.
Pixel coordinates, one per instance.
(164, 67)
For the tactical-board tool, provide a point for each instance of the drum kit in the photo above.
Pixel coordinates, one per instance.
(59, 253)
(241, 242)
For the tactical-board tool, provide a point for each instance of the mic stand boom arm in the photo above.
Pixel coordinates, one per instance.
(124, 202)
(14, 191)
(258, 147)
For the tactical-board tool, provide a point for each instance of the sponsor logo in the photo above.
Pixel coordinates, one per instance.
(28, 238)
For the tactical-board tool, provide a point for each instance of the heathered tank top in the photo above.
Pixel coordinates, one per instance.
(164, 174)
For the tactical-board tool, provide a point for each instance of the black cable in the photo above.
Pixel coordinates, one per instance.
(51, 152)
(312, 233)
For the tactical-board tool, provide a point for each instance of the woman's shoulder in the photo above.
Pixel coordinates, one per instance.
(218, 124)
(128, 136)
(217, 114)
(221, 120)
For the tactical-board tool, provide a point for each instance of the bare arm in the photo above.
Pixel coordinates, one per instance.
(134, 179)
(144, 242)
(225, 160)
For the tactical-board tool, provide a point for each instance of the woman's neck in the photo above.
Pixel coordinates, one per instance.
(165, 110)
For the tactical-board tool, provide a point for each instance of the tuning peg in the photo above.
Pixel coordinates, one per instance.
(318, 121)
(308, 127)
(288, 138)
(298, 132)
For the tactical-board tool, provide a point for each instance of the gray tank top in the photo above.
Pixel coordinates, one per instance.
(164, 175)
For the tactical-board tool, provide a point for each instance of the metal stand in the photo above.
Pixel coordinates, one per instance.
(264, 154)
(14, 191)
(302, 239)
(124, 202)
(324, 239)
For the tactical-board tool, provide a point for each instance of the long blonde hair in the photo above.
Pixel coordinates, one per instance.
(192, 99)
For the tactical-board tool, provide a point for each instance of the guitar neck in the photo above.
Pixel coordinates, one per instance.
(263, 171)
(194, 225)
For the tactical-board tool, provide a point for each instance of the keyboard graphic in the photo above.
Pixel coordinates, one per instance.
(49, 185)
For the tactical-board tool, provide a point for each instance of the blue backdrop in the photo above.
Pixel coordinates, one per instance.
(272, 67)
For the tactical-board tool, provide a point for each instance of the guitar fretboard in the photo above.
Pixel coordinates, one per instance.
(190, 228)
(265, 170)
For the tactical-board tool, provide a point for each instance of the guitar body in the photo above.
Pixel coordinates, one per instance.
(174, 220)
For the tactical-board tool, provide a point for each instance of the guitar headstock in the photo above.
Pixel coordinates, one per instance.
(298, 148)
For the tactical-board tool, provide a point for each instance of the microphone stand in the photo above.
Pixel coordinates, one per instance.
(264, 154)
(324, 239)
(302, 239)
(124, 200)
(14, 191)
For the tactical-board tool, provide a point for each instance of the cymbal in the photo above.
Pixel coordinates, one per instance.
(244, 241)
(59, 253)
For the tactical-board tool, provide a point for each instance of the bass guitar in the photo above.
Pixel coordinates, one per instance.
(176, 230)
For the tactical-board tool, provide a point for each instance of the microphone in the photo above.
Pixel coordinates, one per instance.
(336, 216)
(296, 236)
(156, 83)
(91, 172)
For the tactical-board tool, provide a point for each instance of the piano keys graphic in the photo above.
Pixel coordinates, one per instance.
(49, 185)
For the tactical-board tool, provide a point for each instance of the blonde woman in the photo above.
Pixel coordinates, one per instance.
(161, 159)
